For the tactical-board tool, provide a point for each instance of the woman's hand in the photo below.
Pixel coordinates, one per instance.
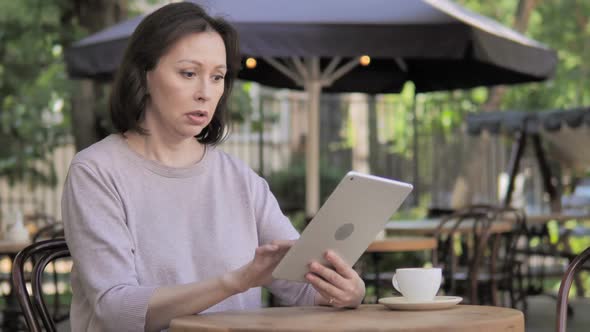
(258, 272)
(339, 287)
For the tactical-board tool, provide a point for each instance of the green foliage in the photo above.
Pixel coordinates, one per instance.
(240, 103)
(562, 25)
(34, 89)
(288, 185)
(437, 112)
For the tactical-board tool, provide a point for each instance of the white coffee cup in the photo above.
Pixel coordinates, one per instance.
(417, 284)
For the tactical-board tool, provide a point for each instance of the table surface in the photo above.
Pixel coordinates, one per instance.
(559, 217)
(12, 247)
(402, 243)
(429, 226)
(375, 317)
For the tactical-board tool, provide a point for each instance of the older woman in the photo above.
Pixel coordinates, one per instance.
(159, 222)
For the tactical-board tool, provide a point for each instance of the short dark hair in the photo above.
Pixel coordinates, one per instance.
(152, 38)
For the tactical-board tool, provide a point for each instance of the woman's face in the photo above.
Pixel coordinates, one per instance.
(186, 85)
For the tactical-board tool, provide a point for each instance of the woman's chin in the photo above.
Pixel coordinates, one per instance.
(193, 133)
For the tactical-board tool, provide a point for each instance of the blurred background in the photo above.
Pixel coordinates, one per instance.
(422, 138)
(45, 117)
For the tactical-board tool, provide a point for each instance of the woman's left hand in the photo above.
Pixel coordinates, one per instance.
(338, 287)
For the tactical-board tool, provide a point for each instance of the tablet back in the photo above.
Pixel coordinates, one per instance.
(350, 219)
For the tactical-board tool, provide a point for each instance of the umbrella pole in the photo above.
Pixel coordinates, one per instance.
(311, 77)
(313, 87)
(416, 166)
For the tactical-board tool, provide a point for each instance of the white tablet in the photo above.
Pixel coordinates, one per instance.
(350, 219)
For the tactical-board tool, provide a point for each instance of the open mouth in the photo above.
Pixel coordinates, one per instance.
(199, 114)
(197, 117)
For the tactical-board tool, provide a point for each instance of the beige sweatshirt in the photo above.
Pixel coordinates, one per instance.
(134, 225)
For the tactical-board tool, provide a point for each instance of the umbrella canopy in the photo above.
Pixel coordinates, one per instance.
(316, 45)
(434, 43)
(565, 131)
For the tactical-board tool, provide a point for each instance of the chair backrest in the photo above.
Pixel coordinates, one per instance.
(33, 305)
(484, 253)
(479, 218)
(564, 288)
(49, 231)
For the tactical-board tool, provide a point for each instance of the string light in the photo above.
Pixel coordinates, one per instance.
(251, 63)
(365, 60)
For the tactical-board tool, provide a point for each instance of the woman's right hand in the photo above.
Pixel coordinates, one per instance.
(258, 272)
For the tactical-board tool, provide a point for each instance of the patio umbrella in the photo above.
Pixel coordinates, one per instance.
(565, 132)
(317, 46)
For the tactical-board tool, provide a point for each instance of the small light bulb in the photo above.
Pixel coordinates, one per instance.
(250, 63)
(365, 60)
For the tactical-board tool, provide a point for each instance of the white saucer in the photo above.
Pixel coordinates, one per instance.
(439, 302)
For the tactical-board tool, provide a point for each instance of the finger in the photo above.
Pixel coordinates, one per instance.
(342, 267)
(327, 298)
(326, 289)
(283, 243)
(328, 275)
(266, 249)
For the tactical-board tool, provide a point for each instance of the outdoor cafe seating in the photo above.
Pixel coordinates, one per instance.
(33, 305)
(481, 264)
(45, 227)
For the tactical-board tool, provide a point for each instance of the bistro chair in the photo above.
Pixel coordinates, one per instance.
(564, 289)
(458, 267)
(486, 262)
(52, 231)
(33, 305)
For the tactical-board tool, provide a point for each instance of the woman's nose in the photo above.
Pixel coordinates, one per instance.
(202, 91)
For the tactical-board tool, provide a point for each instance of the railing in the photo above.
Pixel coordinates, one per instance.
(346, 143)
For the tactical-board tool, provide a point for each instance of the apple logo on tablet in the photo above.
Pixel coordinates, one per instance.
(344, 231)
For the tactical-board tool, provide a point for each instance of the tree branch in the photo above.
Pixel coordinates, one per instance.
(521, 22)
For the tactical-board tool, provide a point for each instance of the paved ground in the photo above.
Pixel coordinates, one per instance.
(542, 315)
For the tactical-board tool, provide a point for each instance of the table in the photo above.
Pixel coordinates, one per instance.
(429, 226)
(402, 243)
(540, 219)
(375, 317)
(10, 247)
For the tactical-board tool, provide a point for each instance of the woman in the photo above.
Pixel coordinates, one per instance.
(161, 224)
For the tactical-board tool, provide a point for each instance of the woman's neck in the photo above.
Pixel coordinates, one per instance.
(176, 153)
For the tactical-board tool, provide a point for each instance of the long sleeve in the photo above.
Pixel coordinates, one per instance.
(103, 251)
(274, 225)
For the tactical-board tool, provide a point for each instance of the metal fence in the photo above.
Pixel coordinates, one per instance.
(30, 198)
(355, 134)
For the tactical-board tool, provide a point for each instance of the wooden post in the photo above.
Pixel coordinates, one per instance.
(546, 174)
(515, 156)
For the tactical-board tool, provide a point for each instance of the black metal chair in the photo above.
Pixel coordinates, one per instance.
(53, 231)
(564, 288)
(33, 305)
(488, 261)
(460, 272)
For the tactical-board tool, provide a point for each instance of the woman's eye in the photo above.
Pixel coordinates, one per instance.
(188, 74)
(218, 77)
